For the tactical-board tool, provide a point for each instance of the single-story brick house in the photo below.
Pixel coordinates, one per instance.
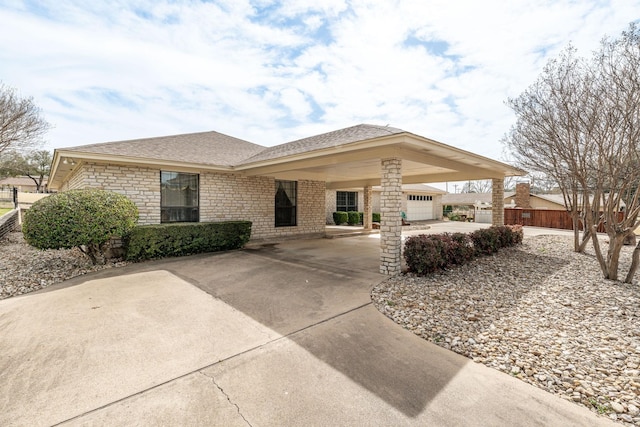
(24, 184)
(210, 176)
(419, 201)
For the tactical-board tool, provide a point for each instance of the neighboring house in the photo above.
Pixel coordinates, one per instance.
(24, 184)
(419, 201)
(209, 176)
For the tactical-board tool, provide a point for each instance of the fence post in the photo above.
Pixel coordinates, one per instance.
(15, 197)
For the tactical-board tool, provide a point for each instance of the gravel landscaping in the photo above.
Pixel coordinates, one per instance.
(25, 269)
(539, 312)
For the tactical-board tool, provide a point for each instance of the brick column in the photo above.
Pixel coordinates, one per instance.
(368, 208)
(390, 220)
(497, 201)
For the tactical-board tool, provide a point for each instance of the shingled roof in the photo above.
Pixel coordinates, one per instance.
(217, 149)
(208, 148)
(335, 138)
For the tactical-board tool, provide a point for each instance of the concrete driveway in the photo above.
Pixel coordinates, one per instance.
(279, 334)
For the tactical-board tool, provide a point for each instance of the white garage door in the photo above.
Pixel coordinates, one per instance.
(419, 207)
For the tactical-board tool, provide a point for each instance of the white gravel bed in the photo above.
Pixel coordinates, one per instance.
(25, 269)
(539, 312)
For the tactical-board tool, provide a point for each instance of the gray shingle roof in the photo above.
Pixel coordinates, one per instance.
(216, 149)
(208, 148)
(348, 135)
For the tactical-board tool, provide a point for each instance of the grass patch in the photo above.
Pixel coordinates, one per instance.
(4, 211)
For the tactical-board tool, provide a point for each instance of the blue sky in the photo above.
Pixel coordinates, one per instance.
(271, 72)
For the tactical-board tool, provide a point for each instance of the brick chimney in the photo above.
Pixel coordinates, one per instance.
(523, 195)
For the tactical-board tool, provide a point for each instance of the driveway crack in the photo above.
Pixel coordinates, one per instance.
(213, 380)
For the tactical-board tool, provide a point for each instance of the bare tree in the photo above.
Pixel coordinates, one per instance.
(21, 123)
(544, 139)
(478, 186)
(579, 124)
(35, 165)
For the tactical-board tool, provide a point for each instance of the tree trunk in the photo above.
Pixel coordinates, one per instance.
(613, 255)
(635, 260)
(596, 246)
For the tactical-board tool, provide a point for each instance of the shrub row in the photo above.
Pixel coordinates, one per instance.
(164, 240)
(429, 253)
(352, 218)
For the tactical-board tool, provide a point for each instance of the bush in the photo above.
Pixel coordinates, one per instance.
(376, 217)
(489, 240)
(459, 248)
(164, 240)
(340, 217)
(86, 219)
(424, 254)
(486, 241)
(453, 216)
(353, 218)
(429, 253)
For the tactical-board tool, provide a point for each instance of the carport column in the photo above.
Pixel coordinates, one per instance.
(497, 201)
(390, 219)
(368, 208)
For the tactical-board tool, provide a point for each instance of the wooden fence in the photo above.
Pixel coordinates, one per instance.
(544, 218)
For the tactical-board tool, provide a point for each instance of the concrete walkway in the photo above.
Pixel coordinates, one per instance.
(280, 334)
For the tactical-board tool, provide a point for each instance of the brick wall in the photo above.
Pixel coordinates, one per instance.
(141, 185)
(330, 203)
(523, 195)
(223, 197)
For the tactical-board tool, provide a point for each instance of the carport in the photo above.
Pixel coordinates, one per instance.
(388, 157)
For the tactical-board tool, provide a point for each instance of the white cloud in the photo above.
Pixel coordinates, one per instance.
(271, 71)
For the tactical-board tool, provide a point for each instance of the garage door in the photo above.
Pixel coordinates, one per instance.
(419, 207)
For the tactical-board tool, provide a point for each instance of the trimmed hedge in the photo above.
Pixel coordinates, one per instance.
(86, 219)
(166, 240)
(340, 217)
(353, 218)
(428, 253)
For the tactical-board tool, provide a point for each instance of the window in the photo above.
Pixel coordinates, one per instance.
(419, 198)
(286, 196)
(347, 201)
(179, 197)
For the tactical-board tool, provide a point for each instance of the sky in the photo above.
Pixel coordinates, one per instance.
(271, 72)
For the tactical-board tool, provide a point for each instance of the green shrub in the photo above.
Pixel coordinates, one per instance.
(165, 240)
(86, 219)
(353, 218)
(453, 216)
(340, 218)
(376, 217)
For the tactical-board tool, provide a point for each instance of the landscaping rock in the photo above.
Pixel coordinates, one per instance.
(538, 312)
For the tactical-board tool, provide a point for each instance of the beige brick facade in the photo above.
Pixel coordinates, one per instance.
(391, 222)
(223, 197)
(497, 200)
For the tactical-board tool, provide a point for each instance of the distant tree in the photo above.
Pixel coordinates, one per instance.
(478, 186)
(579, 124)
(21, 123)
(35, 165)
